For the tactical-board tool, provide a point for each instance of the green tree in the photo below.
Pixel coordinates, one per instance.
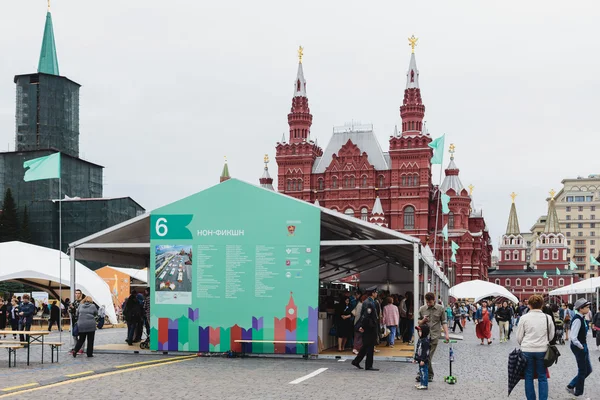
(9, 220)
(25, 235)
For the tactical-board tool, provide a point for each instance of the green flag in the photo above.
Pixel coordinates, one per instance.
(454, 247)
(438, 150)
(42, 168)
(445, 202)
(445, 232)
(557, 271)
(545, 275)
(572, 265)
(593, 261)
(453, 258)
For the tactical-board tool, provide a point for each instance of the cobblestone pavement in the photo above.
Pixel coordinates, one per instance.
(481, 373)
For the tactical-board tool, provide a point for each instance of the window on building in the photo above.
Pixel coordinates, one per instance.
(364, 214)
(568, 251)
(592, 275)
(321, 183)
(516, 255)
(546, 254)
(289, 185)
(580, 208)
(555, 254)
(579, 233)
(403, 180)
(593, 225)
(579, 198)
(540, 282)
(592, 242)
(518, 282)
(568, 226)
(592, 208)
(593, 251)
(352, 182)
(589, 198)
(568, 209)
(579, 217)
(409, 181)
(409, 218)
(592, 216)
(506, 255)
(550, 282)
(561, 282)
(568, 242)
(592, 233)
(497, 281)
(507, 282)
(381, 181)
(568, 234)
(334, 182)
(450, 220)
(569, 199)
(346, 182)
(364, 181)
(528, 282)
(568, 217)
(349, 212)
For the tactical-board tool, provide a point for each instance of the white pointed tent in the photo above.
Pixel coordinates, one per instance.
(588, 286)
(39, 267)
(478, 290)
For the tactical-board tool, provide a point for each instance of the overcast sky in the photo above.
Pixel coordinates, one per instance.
(170, 87)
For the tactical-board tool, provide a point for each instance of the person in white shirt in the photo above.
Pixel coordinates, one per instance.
(533, 332)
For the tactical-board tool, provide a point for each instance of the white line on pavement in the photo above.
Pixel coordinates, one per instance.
(305, 377)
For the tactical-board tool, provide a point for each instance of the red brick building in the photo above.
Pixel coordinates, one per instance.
(550, 258)
(393, 188)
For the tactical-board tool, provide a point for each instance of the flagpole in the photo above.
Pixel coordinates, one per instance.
(59, 255)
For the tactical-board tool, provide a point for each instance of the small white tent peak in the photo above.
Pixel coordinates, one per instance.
(39, 267)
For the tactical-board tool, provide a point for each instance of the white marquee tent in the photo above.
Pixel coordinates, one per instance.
(587, 286)
(39, 267)
(478, 290)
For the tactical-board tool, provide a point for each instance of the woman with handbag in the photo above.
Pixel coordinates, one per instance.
(533, 335)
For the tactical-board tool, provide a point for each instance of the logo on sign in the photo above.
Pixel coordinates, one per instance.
(308, 262)
(289, 251)
(291, 230)
(288, 262)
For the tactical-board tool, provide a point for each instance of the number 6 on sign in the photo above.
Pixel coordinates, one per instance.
(161, 227)
(176, 228)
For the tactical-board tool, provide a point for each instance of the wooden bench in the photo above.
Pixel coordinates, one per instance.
(54, 346)
(302, 342)
(12, 350)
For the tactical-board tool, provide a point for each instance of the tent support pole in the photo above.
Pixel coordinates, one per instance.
(416, 288)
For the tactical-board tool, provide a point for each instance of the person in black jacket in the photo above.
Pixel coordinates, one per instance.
(368, 328)
(503, 316)
(54, 317)
(132, 313)
(3, 315)
(26, 312)
(422, 356)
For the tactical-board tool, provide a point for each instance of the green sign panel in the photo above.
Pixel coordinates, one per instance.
(234, 262)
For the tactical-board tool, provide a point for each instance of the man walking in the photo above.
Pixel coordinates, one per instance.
(434, 316)
(26, 311)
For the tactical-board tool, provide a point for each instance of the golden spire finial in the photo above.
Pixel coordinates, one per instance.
(471, 187)
(452, 150)
(225, 157)
(48, 5)
(513, 195)
(412, 41)
(266, 159)
(300, 54)
(552, 193)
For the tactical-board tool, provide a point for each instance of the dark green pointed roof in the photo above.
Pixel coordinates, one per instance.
(513, 222)
(225, 173)
(48, 60)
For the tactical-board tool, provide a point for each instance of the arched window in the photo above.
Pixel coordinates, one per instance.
(409, 218)
(381, 181)
(300, 184)
(546, 254)
(320, 183)
(497, 281)
(451, 222)
(364, 181)
(403, 180)
(364, 214)
(555, 254)
(528, 282)
(416, 180)
(516, 255)
(550, 282)
(507, 282)
(352, 183)
(289, 185)
(506, 255)
(409, 181)
(561, 282)
(334, 183)
(349, 212)
(346, 182)
(518, 282)
(540, 282)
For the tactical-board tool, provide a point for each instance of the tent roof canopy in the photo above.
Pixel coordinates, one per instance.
(348, 245)
(39, 267)
(478, 290)
(583, 287)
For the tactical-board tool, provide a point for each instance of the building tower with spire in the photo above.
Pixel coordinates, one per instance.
(47, 121)
(355, 176)
(225, 172)
(265, 180)
(551, 245)
(513, 247)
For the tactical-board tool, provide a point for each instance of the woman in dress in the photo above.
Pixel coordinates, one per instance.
(344, 326)
(483, 320)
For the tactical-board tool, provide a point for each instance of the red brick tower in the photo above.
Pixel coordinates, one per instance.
(551, 246)
(265, 180)
(296, 157)
(410, 156)
(513, 248)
